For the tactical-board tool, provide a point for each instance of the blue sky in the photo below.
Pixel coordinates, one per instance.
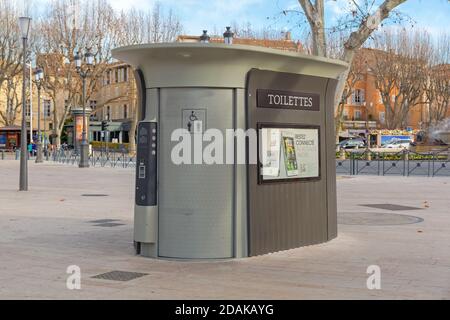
(433, 15)
(196, 15)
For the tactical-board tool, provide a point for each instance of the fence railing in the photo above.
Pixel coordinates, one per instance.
(119, 159)
(400, 163)
(361, 162)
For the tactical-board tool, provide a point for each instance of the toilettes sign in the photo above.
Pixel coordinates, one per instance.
(287, 100)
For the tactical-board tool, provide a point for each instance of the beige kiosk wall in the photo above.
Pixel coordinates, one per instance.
(169, 69)
(217, 65)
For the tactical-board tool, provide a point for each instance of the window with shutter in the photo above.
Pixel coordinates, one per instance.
(47, 108)
(359, 96)
(28, 110)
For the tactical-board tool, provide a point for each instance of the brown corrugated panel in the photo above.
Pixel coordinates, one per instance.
(285, 215)
(331, 160)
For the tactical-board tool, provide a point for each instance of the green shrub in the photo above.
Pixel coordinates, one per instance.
(392, 156)
(98, 145)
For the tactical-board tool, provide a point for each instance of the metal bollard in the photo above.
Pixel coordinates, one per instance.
(3, 154)
(17, 154)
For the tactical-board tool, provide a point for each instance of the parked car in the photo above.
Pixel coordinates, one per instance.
(398, 143)
(355, 143)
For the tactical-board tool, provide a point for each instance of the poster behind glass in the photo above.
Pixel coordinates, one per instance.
(289, 153)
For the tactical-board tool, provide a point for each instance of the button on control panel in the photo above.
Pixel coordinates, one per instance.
(146, 164)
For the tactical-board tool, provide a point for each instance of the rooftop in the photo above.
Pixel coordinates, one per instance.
(281, 44)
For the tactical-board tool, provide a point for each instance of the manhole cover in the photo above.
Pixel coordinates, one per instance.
(119, 275)
(94, 195)
(376, 218)
(388, 206)
(109, 224)
(103, 220)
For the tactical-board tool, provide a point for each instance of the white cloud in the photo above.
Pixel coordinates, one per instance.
(336, 7)
(128, 4)
(341, 7)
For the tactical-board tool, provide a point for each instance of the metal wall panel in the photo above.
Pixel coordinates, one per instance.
(286, 215)
(195, 201)
(241, 236)
(331, 159)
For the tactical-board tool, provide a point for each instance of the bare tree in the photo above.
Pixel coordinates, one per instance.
(248, 31)
(356, 74)
(13, 102)
(10, 55)
(67, 28)
(138, 27)
(399, 64)
(362, 20)
(437, 85)
(154, 26)
(10, 46)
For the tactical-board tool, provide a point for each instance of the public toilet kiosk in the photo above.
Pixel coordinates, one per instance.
(274, 191)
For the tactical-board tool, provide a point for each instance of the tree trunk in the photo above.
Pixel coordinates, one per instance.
(348, 56)
(56, 133)
(319, 44)
(340, 87)
(57, 138)
(338, 120)
(132, 134)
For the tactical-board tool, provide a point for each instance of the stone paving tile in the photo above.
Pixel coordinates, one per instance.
(47, 229)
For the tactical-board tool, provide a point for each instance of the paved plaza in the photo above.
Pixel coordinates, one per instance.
(401, 224)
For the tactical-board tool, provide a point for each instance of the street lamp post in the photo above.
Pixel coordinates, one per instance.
(31, 100)
(24, 25)
(84, 146)
(45, 136)
(39, 76)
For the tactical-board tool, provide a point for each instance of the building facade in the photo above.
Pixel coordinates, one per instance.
(11, 111)
(364, 108)
(115, 103)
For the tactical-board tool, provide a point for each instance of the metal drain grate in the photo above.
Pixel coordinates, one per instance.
(388, 206)
(119, 275)
(376, 218)
(109, 224)
(103, 220)
(94, 195)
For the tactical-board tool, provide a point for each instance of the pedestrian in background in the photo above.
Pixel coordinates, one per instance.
(30, 149)
(34, 149)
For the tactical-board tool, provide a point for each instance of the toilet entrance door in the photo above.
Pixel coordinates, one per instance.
(195, 200)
